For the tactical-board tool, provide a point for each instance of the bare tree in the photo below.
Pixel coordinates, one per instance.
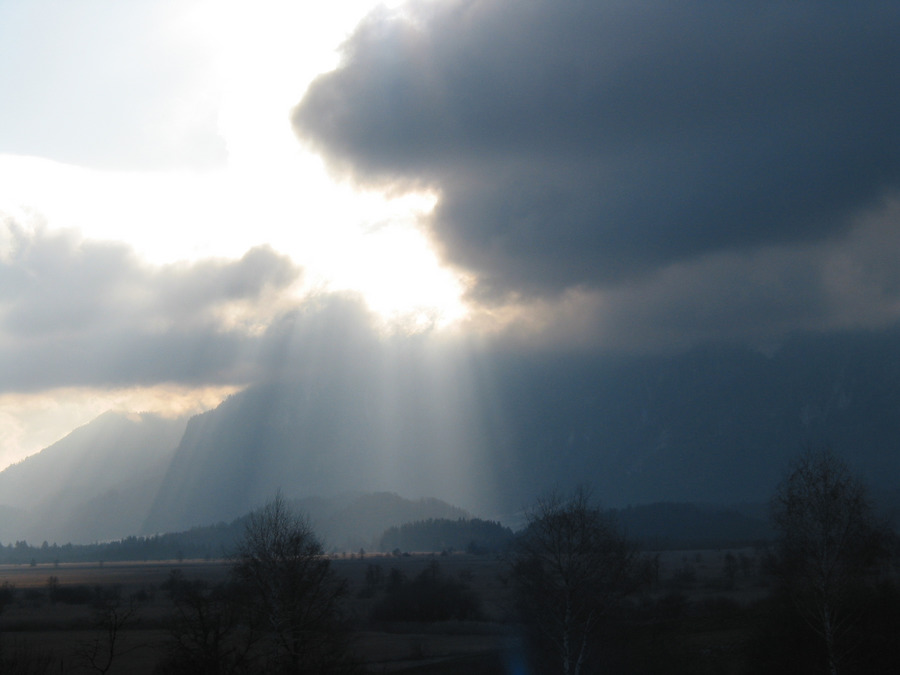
(209, 634)
(570, 567)
(828, 538)
(112, 614)
(295, 597)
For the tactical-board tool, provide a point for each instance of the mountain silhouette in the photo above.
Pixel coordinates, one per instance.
(713, 425)
(95, 484)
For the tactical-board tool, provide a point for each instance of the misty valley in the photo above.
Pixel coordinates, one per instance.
(711, 426)
(657, 501)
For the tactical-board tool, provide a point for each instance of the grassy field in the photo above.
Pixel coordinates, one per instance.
(34, 626)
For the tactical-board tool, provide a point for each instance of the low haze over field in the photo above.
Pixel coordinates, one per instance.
(457, 244)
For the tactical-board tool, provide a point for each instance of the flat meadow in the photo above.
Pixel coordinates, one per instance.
(50, 618)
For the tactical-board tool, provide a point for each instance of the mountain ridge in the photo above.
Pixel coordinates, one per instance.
(63, 491)
(718, 424)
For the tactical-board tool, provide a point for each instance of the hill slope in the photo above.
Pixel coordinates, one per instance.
(713, 425)
(96, 483)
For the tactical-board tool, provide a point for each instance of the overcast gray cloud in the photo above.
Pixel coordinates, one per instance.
(581, 145)
(79, 312)
(757, 298)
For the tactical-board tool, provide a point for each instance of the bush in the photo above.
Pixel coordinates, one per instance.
(431, 596)
(683, 578)
(374, 581)
(17, 657)
(7, 594)
(34, 596)
(73, 595)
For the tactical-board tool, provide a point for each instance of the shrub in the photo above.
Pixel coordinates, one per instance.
(431, 596)
(73, 595)
(7, 594)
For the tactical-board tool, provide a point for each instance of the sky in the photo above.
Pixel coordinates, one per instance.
(179, 180)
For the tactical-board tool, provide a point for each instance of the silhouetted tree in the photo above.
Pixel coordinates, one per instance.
(374, 580)
(293, 594)
(828, 537)
(570, 567)
(18, 657)
(112, 613)
(730, 569)
(208, 631)
(7, 594)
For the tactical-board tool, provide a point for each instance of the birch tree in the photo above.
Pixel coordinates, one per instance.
(570, 567)
(295, 595)
(828, 538)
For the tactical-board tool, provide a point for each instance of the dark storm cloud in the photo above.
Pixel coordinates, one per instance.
(758, 298)
(577, 143)
(77, 312)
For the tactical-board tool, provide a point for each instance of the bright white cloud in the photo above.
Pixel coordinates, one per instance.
(256, 62)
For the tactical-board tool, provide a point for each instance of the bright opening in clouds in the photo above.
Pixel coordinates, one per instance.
(108, 158)
(166, 126)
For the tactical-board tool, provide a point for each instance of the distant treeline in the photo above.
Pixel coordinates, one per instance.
(656, 527)
(214, 541)
(218, 541)
(441, 534)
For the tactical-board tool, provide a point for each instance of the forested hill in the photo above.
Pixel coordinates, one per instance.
(345, 523)
(471, 535)
(410, 525)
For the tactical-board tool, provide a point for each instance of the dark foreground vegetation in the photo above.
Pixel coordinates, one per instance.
(569, 594)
